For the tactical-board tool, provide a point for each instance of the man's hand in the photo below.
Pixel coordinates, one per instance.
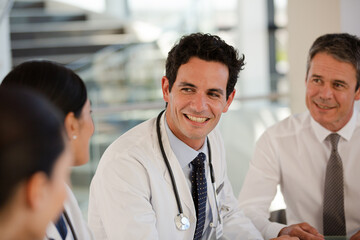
(303, 231)
(285, 237)
(356, 236)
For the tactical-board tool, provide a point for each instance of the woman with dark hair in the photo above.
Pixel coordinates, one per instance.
(67, 91)
(35, 158)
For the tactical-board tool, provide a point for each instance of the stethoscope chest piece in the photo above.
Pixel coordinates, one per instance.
(182, 222)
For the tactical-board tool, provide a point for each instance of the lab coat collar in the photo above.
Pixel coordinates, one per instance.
(52, 232)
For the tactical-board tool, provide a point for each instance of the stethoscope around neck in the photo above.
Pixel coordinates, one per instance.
(182, 222)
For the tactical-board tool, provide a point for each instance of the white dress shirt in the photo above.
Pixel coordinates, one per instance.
(294, 154)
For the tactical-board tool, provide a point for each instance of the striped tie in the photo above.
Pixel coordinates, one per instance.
(333, 212)
(199, 193)
(61, 227)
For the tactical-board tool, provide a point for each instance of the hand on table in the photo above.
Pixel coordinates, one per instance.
(303, 231)
(285, 237)
(356, 236)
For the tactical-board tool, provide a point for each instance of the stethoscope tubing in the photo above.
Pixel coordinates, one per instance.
(180, 209)
(70, 225)
(176, 193)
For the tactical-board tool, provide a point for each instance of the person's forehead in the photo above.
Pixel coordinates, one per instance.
(203, 72)
(333, 56)
(195, 64)
(327, 61)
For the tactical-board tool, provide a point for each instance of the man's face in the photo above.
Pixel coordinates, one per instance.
(197, 100)
(330, 91)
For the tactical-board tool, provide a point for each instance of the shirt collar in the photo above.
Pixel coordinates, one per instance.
(183, 152)
(345, 132)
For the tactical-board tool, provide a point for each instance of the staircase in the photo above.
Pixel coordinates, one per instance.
(118, 68)
(55, 31)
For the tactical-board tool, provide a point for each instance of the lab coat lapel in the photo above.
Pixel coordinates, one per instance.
(52, 232)
(210, 187)
(216, 162)
(181, 182)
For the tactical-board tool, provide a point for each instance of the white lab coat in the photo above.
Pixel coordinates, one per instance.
(132, 197)
(79, 224)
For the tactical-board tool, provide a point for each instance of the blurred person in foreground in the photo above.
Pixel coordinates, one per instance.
(313, 156)
(66, 90)
(35, 162)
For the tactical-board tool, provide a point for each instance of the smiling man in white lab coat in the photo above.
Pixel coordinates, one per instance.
(132, 195)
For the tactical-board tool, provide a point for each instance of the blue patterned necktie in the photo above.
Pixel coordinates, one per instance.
(61, 227)
(199, 193)
(333, 212)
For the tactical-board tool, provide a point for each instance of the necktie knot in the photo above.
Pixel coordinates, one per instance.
(199, 160)
(334, 140)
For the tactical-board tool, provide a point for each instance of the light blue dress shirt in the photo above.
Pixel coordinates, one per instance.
(185, 155)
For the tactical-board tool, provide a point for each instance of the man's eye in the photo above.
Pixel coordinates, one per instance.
(338, 85)
(186, 89)
(214, 95)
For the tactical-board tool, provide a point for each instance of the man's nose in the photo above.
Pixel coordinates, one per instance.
(326, 91)
(200, 102)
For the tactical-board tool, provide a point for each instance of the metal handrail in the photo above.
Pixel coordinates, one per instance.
(4, 11)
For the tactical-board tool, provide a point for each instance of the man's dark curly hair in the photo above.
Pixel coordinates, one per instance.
(206, 47)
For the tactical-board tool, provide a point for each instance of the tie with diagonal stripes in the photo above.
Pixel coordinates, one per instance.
(199, 193)
(333, 211)
(61, 227)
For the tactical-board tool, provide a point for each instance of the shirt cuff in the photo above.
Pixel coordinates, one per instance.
(273, 230)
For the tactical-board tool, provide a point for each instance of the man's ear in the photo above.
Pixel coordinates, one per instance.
(165, 88)
(71, 125)
(36, 190)
(357, 94)
(229, 101)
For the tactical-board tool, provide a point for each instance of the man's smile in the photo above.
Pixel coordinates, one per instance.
(324, 106)
(196, 119)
